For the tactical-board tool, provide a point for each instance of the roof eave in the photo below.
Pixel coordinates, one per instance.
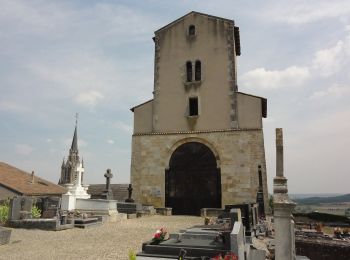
(192, 12)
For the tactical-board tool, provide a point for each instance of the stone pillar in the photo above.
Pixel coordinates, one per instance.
(68, 199)
(283, 207)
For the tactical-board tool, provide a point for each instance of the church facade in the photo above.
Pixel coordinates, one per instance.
(199, 142)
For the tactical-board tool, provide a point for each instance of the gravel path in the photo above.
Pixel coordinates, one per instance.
(109, 241)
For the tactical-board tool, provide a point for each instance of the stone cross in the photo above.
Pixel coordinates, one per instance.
(108, 175)
(130, 190)
(129, 199)
(79, 173)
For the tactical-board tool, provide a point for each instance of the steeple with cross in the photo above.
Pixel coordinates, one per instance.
(69, 167)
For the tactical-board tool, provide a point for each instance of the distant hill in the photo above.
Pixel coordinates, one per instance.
(318, 200)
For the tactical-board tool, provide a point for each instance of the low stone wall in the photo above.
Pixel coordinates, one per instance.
(164, 211)
(44, 224)
(211, 212)
(323, 249)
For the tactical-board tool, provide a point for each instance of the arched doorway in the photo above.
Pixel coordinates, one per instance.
(193, 180)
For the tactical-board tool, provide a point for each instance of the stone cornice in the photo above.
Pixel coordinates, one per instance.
(199, 132)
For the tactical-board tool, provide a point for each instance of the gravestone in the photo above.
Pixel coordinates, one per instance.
(129, 208)
(247, 216)
(20, 207)
(108, 193)
(51, 207)
(129, 199)
(237, 240)
(225, 238)
(5, 235)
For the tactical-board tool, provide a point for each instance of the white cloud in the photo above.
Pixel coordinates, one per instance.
(110, 141)
(89, 98)
(333, 91)
(326, 63)
(49, 140)
(273, 79)
(123, 127)
(300, 11)
(58, 18)
(24, 149)
(329, 61)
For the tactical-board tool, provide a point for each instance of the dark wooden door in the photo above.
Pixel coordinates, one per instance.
(193, 180)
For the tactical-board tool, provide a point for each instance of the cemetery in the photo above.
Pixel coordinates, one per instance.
(198, 177)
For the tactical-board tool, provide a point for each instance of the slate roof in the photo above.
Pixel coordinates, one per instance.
(120, 191)
(21, 182)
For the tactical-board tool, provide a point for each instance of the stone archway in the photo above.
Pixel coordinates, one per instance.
(192, 180)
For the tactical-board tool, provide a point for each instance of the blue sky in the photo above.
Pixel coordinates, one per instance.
(96, 58)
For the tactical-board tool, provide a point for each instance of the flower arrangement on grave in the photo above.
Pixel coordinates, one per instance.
(159, 236)
(228, 256)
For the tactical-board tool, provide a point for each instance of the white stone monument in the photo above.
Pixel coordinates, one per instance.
(75, 190)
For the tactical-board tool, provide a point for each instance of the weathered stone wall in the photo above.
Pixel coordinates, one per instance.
(6, 193)
(238, 154)
(214, 46)
(323, 250)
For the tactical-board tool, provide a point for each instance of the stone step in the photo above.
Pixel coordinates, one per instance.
(88, 222)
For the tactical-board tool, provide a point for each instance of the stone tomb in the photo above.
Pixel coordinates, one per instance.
(20, 208)
(20, 215)
(195, 242)
(226, 237)
(249, 216)
(50, 207)
(129, 208)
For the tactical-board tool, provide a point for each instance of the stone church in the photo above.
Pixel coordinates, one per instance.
(199, 142)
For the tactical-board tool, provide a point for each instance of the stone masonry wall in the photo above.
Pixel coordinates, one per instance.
(238, 154)
(322, 250)
(6, 193)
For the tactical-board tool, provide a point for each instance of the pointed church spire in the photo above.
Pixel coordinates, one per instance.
(69, 167)
(74, 146)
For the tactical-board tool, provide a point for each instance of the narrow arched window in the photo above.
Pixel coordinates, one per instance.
(192, 30)
(189, 71)
(198, 71)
